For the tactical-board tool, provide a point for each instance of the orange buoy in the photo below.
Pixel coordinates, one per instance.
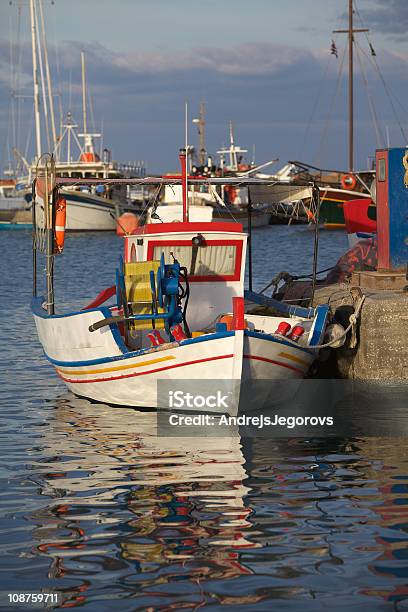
(126, 224)
(60, 221)
(348, 181)
(228, 320)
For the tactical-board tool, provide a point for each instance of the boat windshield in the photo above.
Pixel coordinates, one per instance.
(208, 262)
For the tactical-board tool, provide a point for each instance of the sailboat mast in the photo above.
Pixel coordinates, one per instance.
(48, 76)
(35, 80)
(83, 92)
(351, 31)
(351, 100)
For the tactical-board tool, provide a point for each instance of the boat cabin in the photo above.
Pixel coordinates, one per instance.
(213, 255)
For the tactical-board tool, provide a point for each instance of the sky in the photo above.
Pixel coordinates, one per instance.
(265, 65)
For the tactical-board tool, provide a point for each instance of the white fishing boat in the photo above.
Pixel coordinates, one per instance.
(178, 313)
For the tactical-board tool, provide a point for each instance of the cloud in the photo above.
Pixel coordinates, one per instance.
(267, 90)
(390, 17)
(242, 59)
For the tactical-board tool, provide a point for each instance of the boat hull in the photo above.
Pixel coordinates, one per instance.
(98, 366)
(85, 213)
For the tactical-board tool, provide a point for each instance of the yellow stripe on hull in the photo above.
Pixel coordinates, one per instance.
(294, 358)
(117, 368)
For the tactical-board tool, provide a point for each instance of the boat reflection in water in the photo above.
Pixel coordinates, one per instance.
(142, 522)
(151, 512)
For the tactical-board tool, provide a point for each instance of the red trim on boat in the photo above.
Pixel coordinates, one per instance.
(278, 363)
(177, 365)
(189, 226)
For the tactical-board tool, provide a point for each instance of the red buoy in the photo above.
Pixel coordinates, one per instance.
(126, 224)
(283, 328)
(296, 332)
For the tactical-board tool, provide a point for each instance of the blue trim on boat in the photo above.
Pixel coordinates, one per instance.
(322, 312)
(271, 338)
(205, 337)
(287, 309)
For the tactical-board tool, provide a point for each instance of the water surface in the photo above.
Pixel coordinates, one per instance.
(95, 506)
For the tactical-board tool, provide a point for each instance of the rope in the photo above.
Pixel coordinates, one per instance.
(379, 137)
(388, 91)
(331, 109)
(352, 325)
(312, 114)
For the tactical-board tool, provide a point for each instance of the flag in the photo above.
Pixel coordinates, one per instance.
(333, 49)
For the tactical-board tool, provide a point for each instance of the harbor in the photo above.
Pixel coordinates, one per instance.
(204, 358)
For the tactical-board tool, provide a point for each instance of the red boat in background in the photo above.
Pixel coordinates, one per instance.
(360, 217)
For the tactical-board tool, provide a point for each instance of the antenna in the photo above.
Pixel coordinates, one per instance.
(186, 172)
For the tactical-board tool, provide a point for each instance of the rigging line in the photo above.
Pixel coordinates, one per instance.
(388, 91)
(331, 109)
(388, 94)
(379, 136)
(312, 115)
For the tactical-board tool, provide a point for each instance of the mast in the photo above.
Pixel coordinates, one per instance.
(89, 151)
(200, 122)
(44, 95)
(350, 31)
(83, 92)
(351, 100)
(35, 80)
(48, 77)
(183, 164)
(233, 155)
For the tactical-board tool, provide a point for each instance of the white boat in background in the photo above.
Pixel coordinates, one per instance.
(178, 313)
(170, 209)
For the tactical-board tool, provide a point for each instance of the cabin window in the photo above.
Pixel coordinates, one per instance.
(381, 169)
(216, 261)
